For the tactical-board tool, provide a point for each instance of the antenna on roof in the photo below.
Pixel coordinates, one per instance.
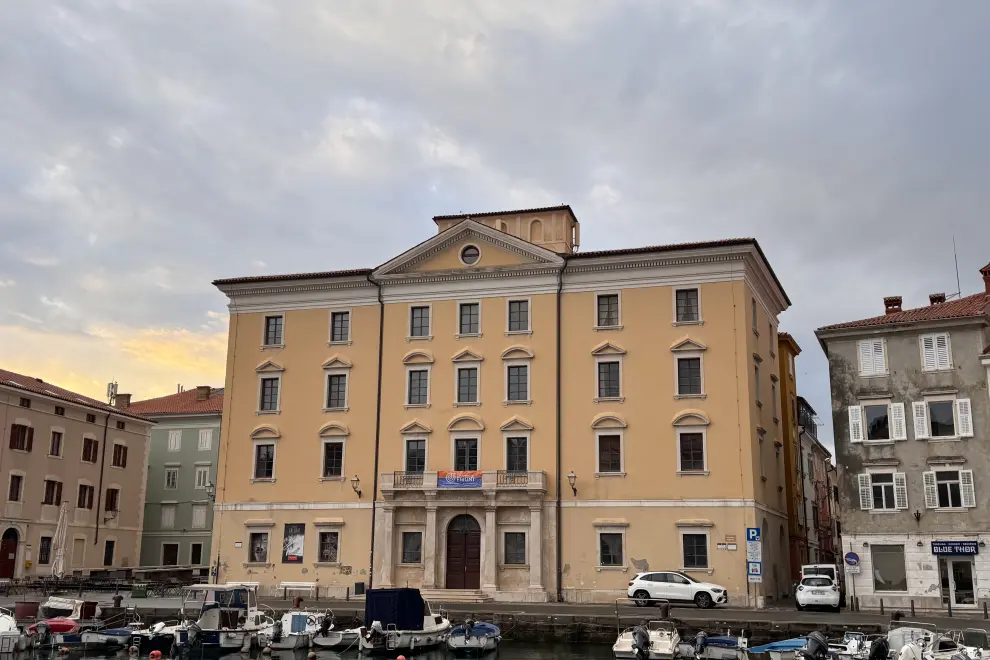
(111, 392)
(955, 256)
(179, 389)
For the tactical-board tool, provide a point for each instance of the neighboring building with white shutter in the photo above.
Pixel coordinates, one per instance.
(911, 414)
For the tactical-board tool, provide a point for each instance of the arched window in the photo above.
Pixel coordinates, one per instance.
(536, 231)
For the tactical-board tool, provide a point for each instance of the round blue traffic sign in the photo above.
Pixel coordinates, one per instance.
(852, 559)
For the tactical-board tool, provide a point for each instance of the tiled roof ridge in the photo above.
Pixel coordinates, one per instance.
(35, 385)
(964, 307)
(182, 403)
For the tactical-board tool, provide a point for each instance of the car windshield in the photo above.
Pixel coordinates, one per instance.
(817, 582)
(820, 570)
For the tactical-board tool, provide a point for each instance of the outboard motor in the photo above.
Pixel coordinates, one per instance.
(700, 643)
(325, 625)
(44, 634)
(468, 627)
(641, 642)
(815, 649)
(277, 631)
(879, 649)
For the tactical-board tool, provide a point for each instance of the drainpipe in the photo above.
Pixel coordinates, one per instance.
(378, 428)
(99, 497)
(560, 542)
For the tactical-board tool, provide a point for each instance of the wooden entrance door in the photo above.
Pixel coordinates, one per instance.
(463, 553)
(8, 553)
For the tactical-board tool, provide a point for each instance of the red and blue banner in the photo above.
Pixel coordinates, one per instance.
(459, 479)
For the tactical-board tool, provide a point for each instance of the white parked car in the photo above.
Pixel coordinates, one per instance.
(675, 587)
(818, 591)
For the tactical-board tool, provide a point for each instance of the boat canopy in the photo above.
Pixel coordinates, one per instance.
(783, 645)
(403, 608)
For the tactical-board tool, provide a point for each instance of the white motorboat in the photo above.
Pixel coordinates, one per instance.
(12, 638)
(715, 647)
(472, 638)
(223, 617)
(159, 637)
(293, 631)
(658, 640)
(326, 636)
(400, 620)
(853, 645)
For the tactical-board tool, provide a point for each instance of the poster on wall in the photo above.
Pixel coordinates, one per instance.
(292, 545)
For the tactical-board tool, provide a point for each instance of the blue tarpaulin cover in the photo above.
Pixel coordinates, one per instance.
(477, 630)
(784, 645)
(723, 642)
(402, 607)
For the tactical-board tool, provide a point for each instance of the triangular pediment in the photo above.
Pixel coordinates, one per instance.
(336, 362)
(467, 355)
(688, 344)
(416, 427)
(444, 252)
(268, 365)
(515, 423)
(608, 348)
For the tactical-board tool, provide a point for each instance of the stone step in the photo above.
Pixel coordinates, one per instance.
(455, 596)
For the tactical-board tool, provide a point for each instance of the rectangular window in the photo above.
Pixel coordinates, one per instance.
(518, 382)
(877, 422)
(518, 316)
(695, 550)
(467, 385)
(108, 551)
(412, 547)
(419, 387)
(174, 440)
(872, 357)
(949, 489)
(55, 448)
(258, 548)
(16, 485)
(53, 492)
(168, 516)
(60, 411)
(609, 453)
(121, 426)
(941, 416)
(333, 459)
(170, 554)
(515, 548)
(517, 454)
(469, 319)
(205, 439)
(91, 418)
(45, 550)
(608, 310)
(264, 461)
(91, 450)
(936, 352)
(337, 391)
(113, 500)
(273, 331)
(756, 374)
(688, 310)
(756, 325)
(329, 552)
(773, 397)
(199, 516)
(25, 403)
(119, 456)
(466, 454)
(889, 573)
(688, 376)
(85, 497)
(196, 554)
(269, 394)
(883, 491)
(202, 476)
(340, 326)
(610, 549)
(419, 322)
(608, 380)
(171, 478)
(416, 455)
(21, 437)
(692, 452)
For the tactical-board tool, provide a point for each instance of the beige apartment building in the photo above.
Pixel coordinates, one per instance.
(494, 414)
(62, 450)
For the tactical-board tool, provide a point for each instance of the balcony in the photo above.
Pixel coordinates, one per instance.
(491, 480)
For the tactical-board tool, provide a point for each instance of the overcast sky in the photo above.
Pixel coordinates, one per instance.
(147, 148)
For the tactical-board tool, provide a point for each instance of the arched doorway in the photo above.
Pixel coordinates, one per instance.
(8, 553)
(463, 553)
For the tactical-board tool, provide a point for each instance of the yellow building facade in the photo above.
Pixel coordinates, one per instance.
(494, 414)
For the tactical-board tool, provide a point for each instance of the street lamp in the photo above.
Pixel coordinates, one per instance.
(356, 485)
(572, 479)
(211, 491)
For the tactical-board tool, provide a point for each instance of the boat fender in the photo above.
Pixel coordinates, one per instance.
(311, 655)
(401, 657)
(63, 650)
(132, 651)
(154, 655)
(267, 650)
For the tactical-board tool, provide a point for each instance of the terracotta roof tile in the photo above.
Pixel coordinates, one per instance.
(975, 305)
(183, 403)
(293, 276)
(489, 214)
(38, 386)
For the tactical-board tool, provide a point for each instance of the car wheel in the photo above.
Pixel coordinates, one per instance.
(642, 598)
(800, 607)
(837, 609)
(704, 600)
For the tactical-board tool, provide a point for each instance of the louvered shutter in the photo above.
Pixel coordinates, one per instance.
(123, 456)
(943, 357)
(898, 422)
(967, 489)
(58, 493)
(29, 444)
(928, 361)
(920, 411)
(855, 424)
(865, 492)
(865, 358)
(964, 412)
(931, 491)
(879, 357)
(900, 491)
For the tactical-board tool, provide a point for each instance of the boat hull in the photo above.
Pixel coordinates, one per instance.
(402, 640)
(15, 642)
(288, 642)
(473, 647)
(336, 639)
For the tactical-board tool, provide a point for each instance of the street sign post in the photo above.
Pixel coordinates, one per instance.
(754, 555)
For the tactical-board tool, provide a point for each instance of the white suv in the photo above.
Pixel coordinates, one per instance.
(675, 587)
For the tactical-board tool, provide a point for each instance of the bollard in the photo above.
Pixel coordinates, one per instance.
(285, 593)
(348, 596)
(950, 607)
(985, 610)
(912, 608)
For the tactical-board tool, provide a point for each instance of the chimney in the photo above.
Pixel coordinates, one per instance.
(985, 272)
(892, 304)
(936, 298)
(122, 401)
(203, 392)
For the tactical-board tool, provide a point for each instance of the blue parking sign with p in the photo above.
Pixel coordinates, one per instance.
(752, 533)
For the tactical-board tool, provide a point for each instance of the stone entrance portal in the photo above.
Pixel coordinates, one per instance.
(463, 553)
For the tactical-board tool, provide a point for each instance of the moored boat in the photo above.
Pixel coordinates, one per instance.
(474, 638)
(657, 640)
(12, 638)
(400, 620)
(292, 631)
(223, 617)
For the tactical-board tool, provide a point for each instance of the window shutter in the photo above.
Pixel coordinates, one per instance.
(123, 456)
(30, 439)
(865, 492)
(879, 357)
(900, 491)
(964, 411)
(855, 424)
(943, 357)
(928, 362)
(931, 491)
(920, 410)
(865, 358)
(967, 489)
(899, 424)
